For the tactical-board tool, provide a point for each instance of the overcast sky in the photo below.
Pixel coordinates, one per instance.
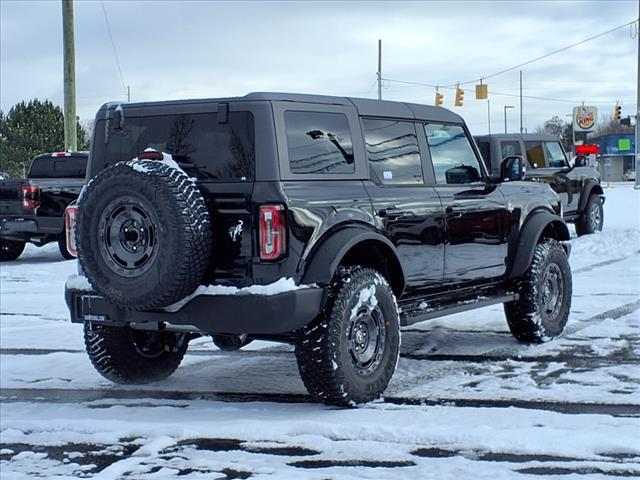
(171, 49)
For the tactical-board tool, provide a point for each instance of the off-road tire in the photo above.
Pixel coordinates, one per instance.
(10, 249)
(62, 246)
(230, 343)
(325, 348)
(117, 357)
(173, 234)
(592, 219)
(540, 315)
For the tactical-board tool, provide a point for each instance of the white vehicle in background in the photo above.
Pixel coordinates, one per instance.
(629, 176)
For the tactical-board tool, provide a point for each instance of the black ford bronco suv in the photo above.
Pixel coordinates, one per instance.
(325, 222)
(578, 185)
(32, 209)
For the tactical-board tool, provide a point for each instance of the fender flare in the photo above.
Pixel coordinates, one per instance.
(530, 235)
(590, 188)
(327, 255)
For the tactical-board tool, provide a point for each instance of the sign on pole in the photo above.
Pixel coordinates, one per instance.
(584, 118)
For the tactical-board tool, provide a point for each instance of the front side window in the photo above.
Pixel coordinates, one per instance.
(454, 160)
(535, 154)
(219, 151)
(510, 148)
(555, 155)
(319, 143)
(392, 150)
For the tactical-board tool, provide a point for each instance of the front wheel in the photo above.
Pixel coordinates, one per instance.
(128, 356)
(541, 312)
(348, 354)
(592, 219)
(10, 249)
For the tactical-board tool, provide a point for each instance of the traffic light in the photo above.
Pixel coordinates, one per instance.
(617, 112)
(459, 97)
(439, 98)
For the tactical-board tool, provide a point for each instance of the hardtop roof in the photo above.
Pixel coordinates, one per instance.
(365, 106)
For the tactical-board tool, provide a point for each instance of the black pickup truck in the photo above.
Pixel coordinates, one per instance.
(325, 222)
(32, 208)
(577, 184)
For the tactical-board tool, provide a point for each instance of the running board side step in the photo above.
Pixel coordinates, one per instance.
(421, 310)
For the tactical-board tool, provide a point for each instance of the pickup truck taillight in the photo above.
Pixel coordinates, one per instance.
(30, 197)
(70, 216)
(273, 233)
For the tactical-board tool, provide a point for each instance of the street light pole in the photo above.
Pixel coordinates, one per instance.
(505, 116)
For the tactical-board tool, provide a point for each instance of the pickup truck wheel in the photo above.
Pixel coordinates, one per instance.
(348, 354)
(62, 246)
(144, 234)
(542, 310)
(229, 343)
(128, 356)
(10, 249)
(592, 219)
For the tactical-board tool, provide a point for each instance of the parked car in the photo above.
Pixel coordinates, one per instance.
(32, 208)
(577, 184)
(325, 222)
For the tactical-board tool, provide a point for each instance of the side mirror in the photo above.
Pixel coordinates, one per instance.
(512, 168)
(580, 161)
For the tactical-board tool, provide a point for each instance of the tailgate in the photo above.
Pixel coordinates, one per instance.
(11, 197)
(229, 206)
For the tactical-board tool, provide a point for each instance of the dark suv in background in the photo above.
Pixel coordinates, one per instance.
(578, 185)
(324, 222)
(32, 209)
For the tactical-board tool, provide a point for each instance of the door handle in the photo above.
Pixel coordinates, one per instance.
(392, 213)
(453, 213)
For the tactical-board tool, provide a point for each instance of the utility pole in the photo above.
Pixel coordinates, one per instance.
(379, 69)
(520, 101)
(128, 94)
(69, 74)
(489, 115)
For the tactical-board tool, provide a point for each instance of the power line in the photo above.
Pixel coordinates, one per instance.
(564, 100)
(113, 46)
(515, 67)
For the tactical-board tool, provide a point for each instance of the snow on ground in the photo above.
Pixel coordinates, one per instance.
(466, 400)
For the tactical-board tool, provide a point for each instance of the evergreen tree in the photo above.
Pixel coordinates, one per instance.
(30, 129)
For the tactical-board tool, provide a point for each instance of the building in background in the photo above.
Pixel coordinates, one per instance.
(616, 156)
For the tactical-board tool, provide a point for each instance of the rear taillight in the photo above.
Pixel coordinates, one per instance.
(30, 197)
(70, 216)
(273, 232)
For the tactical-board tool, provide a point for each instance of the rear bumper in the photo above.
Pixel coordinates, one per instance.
(24, 228)
(232, 314)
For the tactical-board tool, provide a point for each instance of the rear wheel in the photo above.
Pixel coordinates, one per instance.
(62, 246)
(10, 249)
(592, 219)
(348, 354)
(125, 355)
(541, 312)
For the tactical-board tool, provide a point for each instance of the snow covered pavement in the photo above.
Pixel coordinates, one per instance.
(466, 401)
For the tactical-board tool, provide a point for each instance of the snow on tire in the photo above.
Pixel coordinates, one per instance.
(348, 354)
(144, 234)
(542, 311)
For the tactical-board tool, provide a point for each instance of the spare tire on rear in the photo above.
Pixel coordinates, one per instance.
(144, 234)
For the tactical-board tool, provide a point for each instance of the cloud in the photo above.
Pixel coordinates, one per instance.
(171, 50)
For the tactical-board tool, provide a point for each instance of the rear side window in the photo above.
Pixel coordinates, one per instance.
(453, 157)
(510, 148)
(58, 167)
(392, 149)
(219, 151)
(535, 154)
(319, 143)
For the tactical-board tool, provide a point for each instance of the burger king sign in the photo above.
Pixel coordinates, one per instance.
(584, 118)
